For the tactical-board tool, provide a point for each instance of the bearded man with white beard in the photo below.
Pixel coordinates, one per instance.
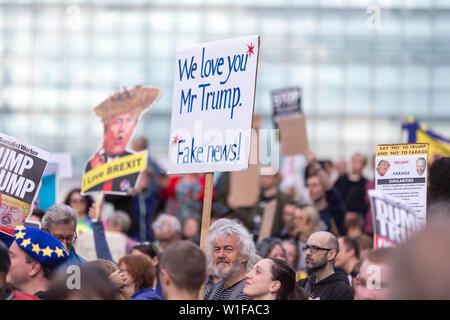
(232, 251)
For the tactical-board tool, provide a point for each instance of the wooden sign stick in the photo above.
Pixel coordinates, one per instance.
(206, 217)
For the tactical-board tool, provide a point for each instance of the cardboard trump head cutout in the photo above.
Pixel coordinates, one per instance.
(114, 168)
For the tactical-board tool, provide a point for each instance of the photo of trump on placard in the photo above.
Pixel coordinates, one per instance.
(383, 167)
(12, 212)
(113, 168)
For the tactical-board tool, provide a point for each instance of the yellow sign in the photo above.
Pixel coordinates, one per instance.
(406, 149)
(118, 168)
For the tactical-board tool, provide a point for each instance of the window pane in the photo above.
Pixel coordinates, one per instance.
(441, 77)
(416, 76)
(387, 103)
(387, 77)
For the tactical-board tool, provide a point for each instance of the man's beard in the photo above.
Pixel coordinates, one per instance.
(229, 272)
(318, 267)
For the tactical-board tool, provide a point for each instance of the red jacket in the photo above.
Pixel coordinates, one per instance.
(170, 192)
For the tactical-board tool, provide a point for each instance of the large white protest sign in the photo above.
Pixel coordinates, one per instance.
(213, 100)
(401, 172)
(394, 222)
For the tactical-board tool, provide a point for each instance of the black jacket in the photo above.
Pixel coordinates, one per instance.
(335, 287)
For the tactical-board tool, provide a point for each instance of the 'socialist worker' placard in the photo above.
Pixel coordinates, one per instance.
(21, 169)
(213, 99)
(401, 172)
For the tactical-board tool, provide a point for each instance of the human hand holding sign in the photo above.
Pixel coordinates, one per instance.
(97, 160)
(95, 211)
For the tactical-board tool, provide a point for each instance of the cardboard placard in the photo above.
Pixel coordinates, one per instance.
(287, 103)
(213, 101)
(394, 222)
(64, 161)
(293, 136)
(21, 169)
(114, 169)
(267, 220)
(245, 185)
(401, 172)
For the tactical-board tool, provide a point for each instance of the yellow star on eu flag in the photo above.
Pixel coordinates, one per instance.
(25, 242)
(20, 235)
(47, 252)
(20, 228)
(36, 248)
(59, 252)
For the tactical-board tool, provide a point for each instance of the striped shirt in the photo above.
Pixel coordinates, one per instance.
(219, 292)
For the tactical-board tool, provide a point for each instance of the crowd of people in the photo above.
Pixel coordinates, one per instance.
(314, 247)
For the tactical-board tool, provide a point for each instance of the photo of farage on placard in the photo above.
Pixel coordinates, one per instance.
(12, 212)
(421, 164)
(383, 167)
(114, 168)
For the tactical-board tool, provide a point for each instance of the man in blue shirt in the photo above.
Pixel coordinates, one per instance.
(60, 221)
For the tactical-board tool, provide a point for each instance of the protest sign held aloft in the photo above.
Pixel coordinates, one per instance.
(21, 170)
(288, 117)
(401, 172)
(244, 186)
(114, 168)
(287, 103)
(394, 222)
(213, 100)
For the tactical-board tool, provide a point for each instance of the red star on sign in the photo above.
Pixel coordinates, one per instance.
(175, 139)
(250, 49)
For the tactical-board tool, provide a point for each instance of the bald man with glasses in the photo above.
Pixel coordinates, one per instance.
(324, 283)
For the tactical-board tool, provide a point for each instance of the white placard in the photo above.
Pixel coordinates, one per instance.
(64, 161)
(393, 221)
(213, 100)
(401, 172)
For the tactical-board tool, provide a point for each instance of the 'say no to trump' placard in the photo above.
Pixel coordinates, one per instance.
(401, 172)
(213, 100)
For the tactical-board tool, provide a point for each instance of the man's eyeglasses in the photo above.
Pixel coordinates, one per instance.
(314, 249)
(144, 243)
(165, 240)
(69, 239)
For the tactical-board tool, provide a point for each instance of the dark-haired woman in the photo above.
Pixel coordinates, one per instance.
(273, 279)
(81, 205)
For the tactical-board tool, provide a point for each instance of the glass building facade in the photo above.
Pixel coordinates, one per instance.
(363, 65)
